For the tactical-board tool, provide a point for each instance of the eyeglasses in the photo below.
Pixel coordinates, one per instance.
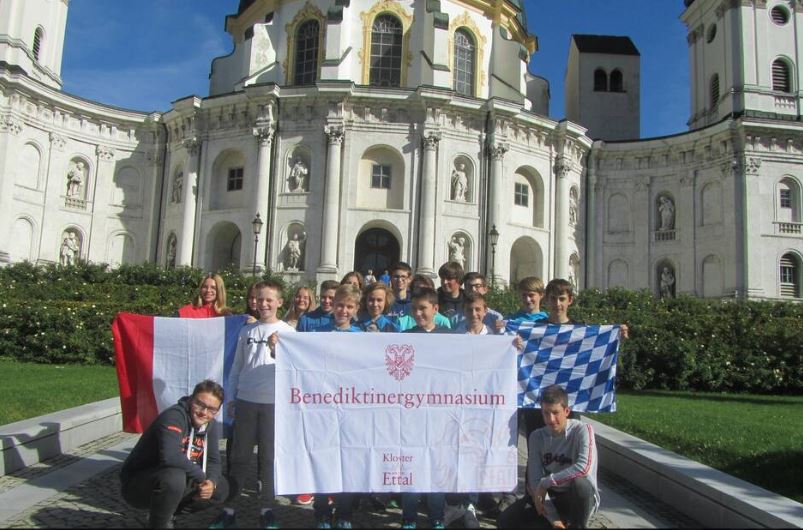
(475, 285)
(203, 407)
(400, 277)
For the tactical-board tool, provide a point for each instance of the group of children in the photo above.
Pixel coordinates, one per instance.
(410, 304)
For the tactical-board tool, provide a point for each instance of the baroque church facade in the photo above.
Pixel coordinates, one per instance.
(369, 131)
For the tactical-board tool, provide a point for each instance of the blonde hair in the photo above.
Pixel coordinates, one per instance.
(292, 315)
(220, 297)
(532, 283)
(377, 286)
(348, 292)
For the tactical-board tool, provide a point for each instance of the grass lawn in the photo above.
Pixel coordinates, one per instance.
(28, 390)
(756, 438)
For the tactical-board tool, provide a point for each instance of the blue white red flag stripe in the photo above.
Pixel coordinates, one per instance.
(580, 358)
(161, 359)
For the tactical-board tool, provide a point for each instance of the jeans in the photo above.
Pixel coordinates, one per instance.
(436, 504)
(253, 425)
(166, 490)
(574, 508)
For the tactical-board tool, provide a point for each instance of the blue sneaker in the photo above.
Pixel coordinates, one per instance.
(408, 524)
(342, 523)
(224, 520)
(437, 524)
(323, 522)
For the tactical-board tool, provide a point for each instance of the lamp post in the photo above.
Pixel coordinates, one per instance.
(257, 226)
(493, 238)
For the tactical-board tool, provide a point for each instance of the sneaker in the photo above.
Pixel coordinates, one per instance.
(408, 524)
(323, 522)
(224, 520)
(393, 504)
(266, 520)
(437, 524)
(470, 517)
(343, 523)
(305, 498)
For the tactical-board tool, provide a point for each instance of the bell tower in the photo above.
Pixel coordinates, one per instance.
(32, 37)
(744, 59)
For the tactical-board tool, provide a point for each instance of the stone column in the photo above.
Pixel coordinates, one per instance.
(10, 128)
(561, 261)
(264, 136)
(426, 231)
(189, 198)
(96, 245)
(497, 152)
(331, 200)
(591, 241)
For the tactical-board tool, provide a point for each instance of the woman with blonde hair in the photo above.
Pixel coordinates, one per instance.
(303, 302)
(211, 299)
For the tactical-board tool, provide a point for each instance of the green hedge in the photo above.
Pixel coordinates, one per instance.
(54, 314)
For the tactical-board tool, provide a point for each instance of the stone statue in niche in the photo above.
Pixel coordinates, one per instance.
(70, 249)
(572, 208)
(457, 250)
(667, 284)
(178, 186)
(171, 253)
(75, 178)
(295, 253)
(666, 209)
(459, 183)
(297, 181)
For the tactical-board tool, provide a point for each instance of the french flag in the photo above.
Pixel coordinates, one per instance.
(161, 359)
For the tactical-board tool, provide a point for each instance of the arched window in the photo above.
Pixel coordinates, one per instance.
(464, 62)
(386, 51)
(617, 81)
(781, 80)
(600, 80)
(714, 91)
(38, 36)
(788, 208)
(306, 60)
(790, 276)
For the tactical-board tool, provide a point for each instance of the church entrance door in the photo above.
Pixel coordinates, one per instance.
(375, 249)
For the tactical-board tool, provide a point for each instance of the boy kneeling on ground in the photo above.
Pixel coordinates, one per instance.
(176, 462)
(561, 462)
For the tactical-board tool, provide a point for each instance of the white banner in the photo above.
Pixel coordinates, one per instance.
(392, 412)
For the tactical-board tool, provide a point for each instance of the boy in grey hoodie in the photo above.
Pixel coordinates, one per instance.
(561, 470)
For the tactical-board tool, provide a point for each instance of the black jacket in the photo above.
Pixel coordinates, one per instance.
(164, 444)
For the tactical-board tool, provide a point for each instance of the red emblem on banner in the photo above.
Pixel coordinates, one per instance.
(400, 359)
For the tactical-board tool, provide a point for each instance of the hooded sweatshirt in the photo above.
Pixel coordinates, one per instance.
(172, 441)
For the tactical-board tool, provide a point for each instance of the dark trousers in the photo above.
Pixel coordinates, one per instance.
(165, 491)
(253, 425)
(436, 504)
(344, 505)
(574, 508)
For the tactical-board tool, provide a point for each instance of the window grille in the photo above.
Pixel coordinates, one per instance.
(380, 176)
(386, 52)
(306, 67)
(780, 76)
(464, 63)
(235, 180)
(521, 195)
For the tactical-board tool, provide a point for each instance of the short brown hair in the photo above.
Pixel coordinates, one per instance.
(207, 385)
(425, 294)
(402, 266)
(531, 283)
(559, 286)
(470, 298)
(451, 270)
(555, 394)
(270, 284)
(328, 285)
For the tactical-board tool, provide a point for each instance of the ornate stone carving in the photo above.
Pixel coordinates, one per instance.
(573, 207)
(666, 213)
(171, 251)
(11, 124)
(666, 282)
(294, 249)
(751, 165)
(76, 177)
(460, 183)
(104, 152)
(297, 180)
(192, 145)
(334, 134)
(70, 249)
(457, 249)
(178, 186)
(562, 166)
(264, 135)
(57, 141)
(498, 151)
(430, 140)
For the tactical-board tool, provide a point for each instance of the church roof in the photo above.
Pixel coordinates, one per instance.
(605, 44)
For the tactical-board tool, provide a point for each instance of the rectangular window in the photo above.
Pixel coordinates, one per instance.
(786, 198)
(521, 195)
(235, 181)
(380, 176)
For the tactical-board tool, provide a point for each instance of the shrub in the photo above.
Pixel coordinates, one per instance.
(63, 314)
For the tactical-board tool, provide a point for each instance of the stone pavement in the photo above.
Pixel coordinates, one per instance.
(82, 490)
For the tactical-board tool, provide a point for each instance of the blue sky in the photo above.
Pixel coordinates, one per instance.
(144, 54)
